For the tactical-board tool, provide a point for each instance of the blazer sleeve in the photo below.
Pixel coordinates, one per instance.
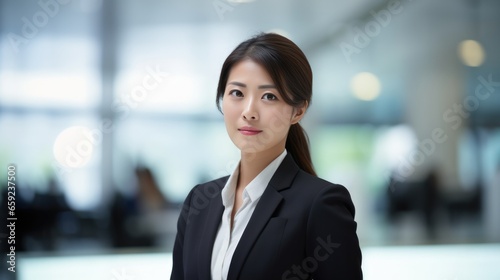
(332, 243)
(178, 255)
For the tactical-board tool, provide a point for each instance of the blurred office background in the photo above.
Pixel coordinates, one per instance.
(107, 109)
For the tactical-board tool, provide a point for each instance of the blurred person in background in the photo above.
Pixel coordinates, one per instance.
(134, 216)
(272, 218)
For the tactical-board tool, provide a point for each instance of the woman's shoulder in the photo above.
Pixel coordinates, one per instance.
(318, 184)
(219, 182)
(212, 186)
(206, 191)
(321, 190)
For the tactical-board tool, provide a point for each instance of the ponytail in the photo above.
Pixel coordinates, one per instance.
(297, 144)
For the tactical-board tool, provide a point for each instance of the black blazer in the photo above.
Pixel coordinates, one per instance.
(302, 228)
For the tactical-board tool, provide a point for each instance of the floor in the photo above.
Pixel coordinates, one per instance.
(439, 262)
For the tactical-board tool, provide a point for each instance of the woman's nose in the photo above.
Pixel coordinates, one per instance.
(250, 111)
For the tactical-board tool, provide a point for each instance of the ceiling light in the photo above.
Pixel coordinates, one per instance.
(74, 147)
(365, 86)
(471, 53)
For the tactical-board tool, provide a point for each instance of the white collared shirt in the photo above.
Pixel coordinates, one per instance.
(227, 240)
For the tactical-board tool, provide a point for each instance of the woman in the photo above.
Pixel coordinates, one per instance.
(272, 218)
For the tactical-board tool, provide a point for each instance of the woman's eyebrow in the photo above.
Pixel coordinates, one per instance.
(237, 84)
(243, 85)
(266, 86)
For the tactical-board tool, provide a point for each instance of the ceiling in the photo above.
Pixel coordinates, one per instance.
(198, 34)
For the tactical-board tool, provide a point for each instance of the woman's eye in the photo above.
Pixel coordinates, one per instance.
(269, 96)
(236, 93)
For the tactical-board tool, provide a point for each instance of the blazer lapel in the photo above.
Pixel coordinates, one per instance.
(214, 216)
(269, 201)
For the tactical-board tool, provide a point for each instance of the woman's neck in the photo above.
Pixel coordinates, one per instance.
(252, 164)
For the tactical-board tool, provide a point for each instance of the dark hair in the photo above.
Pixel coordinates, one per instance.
(290, 71)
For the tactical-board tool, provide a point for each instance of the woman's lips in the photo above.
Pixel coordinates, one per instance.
(249, 130)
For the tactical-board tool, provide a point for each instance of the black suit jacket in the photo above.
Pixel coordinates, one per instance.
(302, 228)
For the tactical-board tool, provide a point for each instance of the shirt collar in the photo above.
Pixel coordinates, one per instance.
(256, 187)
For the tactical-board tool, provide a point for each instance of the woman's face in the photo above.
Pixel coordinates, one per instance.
(256, 116)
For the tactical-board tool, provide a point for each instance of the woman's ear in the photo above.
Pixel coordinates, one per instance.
(299, 112)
